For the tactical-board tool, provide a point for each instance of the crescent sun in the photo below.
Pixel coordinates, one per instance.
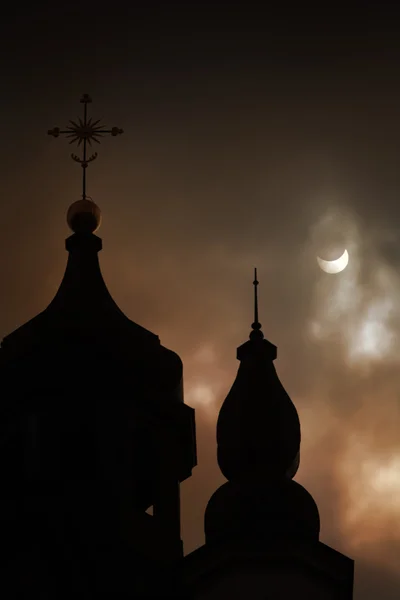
(334, 266)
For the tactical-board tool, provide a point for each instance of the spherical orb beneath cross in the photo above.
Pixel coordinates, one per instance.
(84, 216)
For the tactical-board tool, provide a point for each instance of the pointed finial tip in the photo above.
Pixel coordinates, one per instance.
(256, 326)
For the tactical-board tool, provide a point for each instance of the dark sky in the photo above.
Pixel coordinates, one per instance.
(250, 139)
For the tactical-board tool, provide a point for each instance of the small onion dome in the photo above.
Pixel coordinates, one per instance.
(256, 509)
(84, 216)
(258, 428)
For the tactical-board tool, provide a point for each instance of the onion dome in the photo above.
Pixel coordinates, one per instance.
(258, 427)
(258, 439)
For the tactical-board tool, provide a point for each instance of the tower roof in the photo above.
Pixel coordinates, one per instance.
(82, 307)
(258, 427)
(83, 317)
(258, 438)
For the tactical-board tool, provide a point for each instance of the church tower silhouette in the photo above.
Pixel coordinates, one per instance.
(95, 432)
(262, 527)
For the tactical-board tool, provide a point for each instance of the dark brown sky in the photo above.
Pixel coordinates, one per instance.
(250, 140)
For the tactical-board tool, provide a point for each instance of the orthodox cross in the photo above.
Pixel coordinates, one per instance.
(84, 131)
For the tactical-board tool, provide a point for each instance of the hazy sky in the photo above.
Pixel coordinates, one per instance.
(248, 142)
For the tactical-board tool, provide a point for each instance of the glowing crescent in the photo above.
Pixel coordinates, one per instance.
(334, 266)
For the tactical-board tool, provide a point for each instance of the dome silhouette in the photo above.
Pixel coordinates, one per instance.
(254, 507)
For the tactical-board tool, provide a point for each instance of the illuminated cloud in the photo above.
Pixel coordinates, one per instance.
(372, 336)
(205, 379)
(359, 311)
(200, 393)
(372, 480)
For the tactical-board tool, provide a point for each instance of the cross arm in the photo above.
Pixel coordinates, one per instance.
(56, 131)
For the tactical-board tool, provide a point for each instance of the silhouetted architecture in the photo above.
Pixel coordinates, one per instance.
(262, 528)
(94, 432)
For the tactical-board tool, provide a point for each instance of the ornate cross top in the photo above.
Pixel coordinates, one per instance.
(86, 131)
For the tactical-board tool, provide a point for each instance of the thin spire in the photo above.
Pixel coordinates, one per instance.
(255, 283)
(86, 131)
(256, 326)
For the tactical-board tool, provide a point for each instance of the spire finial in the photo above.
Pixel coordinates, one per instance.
(86, 131)
(256, 326)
